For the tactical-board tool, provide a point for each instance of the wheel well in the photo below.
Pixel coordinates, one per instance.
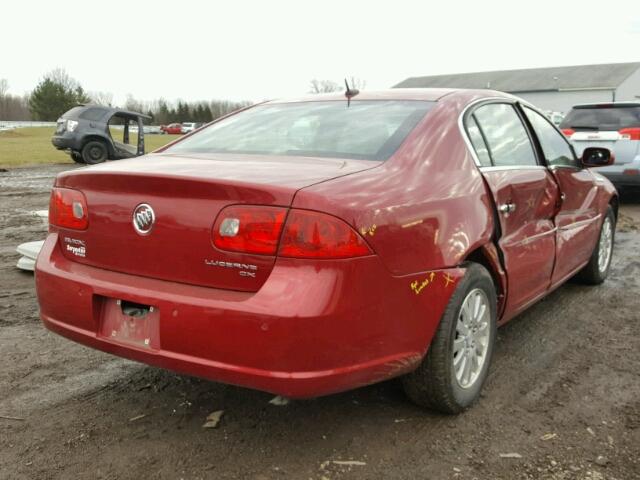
(487, 256)
(98, 138)
(614, 202)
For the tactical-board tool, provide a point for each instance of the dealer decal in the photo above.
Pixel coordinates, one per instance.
(75, 246)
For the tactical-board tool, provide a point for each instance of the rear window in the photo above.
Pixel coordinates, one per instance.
(604, 117)
(367, 130)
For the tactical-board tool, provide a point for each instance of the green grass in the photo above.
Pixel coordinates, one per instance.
(32, 146)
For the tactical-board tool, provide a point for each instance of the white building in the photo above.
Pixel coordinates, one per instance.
(556, 89)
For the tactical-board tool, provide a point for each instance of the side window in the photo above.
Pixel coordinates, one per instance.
(555, 148)
(92, 114)
(478, 142)
(505, 134)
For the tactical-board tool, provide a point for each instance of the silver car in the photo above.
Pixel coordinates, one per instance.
(615, 126)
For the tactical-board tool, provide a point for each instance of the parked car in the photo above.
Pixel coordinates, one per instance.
(188, 127)
(615, 126)
(172, 129)
(152, 129)
(320, 244)
(84, 132)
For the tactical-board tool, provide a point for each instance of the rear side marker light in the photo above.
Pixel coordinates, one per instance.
(68, 209)
(629, 134)
(631, 171)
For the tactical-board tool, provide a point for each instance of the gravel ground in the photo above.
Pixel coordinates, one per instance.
(562, 400)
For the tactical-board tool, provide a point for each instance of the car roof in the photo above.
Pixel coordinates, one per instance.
(608, 105)
(425, 94)
(113, 110)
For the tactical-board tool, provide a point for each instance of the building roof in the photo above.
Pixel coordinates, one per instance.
(589, 77)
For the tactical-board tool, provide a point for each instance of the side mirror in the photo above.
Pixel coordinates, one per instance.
(597, 157)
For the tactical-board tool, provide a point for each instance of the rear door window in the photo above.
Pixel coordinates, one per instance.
(506, 137)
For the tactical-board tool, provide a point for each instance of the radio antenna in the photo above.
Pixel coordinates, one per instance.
(350, 92)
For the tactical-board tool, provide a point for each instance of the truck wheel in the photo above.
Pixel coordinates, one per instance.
(77, 157)
(451, 375)
(596, 271)
(94, 152)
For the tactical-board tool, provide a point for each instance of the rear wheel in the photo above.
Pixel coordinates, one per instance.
(77, 157)
(597, 270)
(451, 375)
(94, 152)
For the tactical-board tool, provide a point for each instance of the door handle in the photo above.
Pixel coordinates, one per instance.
(507, 208)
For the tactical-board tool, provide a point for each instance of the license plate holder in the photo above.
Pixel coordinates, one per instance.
(130, 323)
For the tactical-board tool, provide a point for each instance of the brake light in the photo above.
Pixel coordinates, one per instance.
(249, 229)
(568, 132)
(309, 234)
(629, 133)
(68, 209)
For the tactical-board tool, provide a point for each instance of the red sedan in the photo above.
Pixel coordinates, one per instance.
(172, 129)
(315, 245)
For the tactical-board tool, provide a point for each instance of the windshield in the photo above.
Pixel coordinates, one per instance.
(604, 117)
(368, 130)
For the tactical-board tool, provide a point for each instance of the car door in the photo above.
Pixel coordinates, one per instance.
(525, 196)
(577, 219)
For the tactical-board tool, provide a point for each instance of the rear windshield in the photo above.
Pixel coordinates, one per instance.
(606, 117)
(367, 130)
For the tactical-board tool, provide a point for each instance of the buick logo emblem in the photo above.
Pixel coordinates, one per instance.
(143, 219)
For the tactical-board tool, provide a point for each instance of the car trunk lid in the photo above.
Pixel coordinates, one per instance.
(186, 194)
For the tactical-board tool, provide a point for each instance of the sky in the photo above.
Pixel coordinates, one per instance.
(256, 50)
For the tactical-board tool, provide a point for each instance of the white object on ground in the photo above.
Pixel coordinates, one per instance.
(29, 252)
(279, 401)
(40, 213)
(25, 263)
(213, 419)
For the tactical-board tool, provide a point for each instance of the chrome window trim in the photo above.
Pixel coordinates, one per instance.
(571, 167)
(512, 167)
(463, 131)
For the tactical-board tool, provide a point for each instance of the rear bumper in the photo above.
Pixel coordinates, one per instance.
(312, 329)
(67, 141)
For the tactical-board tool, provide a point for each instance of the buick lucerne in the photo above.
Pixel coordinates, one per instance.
(314, 245)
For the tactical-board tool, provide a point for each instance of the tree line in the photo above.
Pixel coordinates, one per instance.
(57, 92)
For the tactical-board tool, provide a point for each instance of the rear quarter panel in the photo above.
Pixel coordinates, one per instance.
(426, 207)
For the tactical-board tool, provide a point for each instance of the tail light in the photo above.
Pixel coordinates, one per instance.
(310, 234)
(629, 133)
(68, 209)
(306, 234)
(568, 132)
(249, 229)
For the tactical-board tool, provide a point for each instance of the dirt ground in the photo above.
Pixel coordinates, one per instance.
(562, 400)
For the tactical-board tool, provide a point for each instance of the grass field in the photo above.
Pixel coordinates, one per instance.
(32, 146)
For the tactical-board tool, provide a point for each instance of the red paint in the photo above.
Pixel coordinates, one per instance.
(306, 326)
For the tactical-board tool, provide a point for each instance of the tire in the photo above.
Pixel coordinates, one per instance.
(435, 383)
(94, 152)
(77, 157)
(597, 270)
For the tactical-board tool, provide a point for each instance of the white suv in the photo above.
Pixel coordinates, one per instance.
(615, 126)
